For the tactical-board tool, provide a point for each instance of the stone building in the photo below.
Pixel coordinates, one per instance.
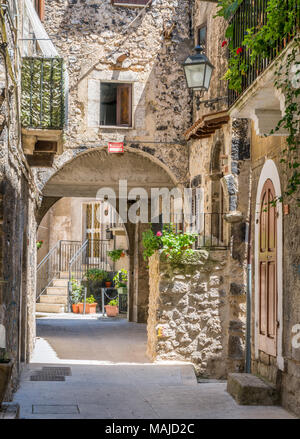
(19, 200)
(105, 72)
(252, 152)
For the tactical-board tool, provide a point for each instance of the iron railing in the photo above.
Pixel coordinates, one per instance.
(210, 228)
(211, 231)
(91, 254)
(43, 96)
(56, 261)
(253, 14)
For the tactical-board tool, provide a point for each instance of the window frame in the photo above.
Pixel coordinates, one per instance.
(203, 25)
(118, 108)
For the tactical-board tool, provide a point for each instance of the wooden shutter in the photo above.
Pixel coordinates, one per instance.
(267, 272)
(40, 8)
(124, 105)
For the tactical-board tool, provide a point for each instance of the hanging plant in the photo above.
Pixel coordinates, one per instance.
(39, 244)
(115, 255)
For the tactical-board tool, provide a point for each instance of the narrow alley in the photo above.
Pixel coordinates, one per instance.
(108, 376)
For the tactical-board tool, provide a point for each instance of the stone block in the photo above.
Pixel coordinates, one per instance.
(235, 347)
(237, 289)
(248, 389)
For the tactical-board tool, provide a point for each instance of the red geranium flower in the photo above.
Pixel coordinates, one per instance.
(224, 43)
(239, 50)
(158, 233)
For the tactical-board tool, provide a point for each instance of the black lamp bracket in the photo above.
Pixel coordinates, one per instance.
(209, 103)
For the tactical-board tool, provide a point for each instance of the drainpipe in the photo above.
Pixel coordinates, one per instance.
(248, 321)
(249, 285)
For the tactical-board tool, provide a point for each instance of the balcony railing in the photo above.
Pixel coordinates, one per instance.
(253, 14)
(43, 93)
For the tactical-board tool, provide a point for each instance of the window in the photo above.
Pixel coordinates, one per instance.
(40, 8)
(115, 104)
(137, 3)
(202, 36)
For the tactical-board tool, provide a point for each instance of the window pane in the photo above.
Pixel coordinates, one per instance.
(202, 36)
(108, 106)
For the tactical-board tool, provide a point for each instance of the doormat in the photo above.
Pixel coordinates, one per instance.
(46, 377)
(55, 409)
(66, 371)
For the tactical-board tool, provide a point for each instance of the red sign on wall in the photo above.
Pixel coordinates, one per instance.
(115, 147)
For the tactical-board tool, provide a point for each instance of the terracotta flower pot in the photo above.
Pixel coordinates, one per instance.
(108, 284)
(75, 308)
(5, 374)
(87, 308)
(92, 307)
(111, 310)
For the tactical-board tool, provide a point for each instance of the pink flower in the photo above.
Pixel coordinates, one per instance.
(158, 233)
(224, 43)
(239, 50)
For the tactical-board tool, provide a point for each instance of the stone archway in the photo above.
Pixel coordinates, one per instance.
(91, 170)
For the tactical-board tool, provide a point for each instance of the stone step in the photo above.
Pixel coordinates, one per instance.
(64, 275)
(57, 291)
(54, 299)
(50, 307)
(60, 282)
(248, 389)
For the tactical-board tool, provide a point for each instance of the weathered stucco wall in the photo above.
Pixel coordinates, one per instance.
(197, 313)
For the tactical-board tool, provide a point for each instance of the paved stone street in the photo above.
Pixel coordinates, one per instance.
(111, 378)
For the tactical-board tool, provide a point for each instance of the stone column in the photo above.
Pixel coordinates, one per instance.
(138, 275)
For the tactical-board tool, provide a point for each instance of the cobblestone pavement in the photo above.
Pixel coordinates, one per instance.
(111, 378)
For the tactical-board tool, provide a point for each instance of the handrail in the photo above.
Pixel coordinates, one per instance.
(53, 263)
(75, 257)
(47, 256)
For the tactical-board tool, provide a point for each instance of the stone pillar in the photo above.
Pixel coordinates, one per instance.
(138, 275)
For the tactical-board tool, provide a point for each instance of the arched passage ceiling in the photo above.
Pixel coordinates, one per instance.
(93, 170)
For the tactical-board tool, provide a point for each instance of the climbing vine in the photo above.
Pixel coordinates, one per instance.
(42, 93)
(260, 41)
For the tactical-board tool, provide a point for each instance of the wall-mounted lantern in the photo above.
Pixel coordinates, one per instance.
(198, 70)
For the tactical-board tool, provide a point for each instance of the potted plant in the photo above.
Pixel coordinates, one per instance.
(120, 281)
(6, 365)
(115, 255)
(95, 274)
(76, 296)
(112, 309)
(108, 282)
(91, 304)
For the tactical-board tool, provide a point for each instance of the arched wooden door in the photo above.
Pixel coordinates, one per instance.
(267, 271)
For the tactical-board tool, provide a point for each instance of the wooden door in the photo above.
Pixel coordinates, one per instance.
(267, 271)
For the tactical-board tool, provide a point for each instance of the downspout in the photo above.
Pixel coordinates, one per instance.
(249, 284)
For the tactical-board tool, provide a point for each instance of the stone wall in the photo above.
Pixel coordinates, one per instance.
(91, 37)
(197, 313)
(19, 198)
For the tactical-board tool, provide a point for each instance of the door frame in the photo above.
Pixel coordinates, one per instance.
(269, 171)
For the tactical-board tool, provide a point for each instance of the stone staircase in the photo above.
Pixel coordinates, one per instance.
(56, 297)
